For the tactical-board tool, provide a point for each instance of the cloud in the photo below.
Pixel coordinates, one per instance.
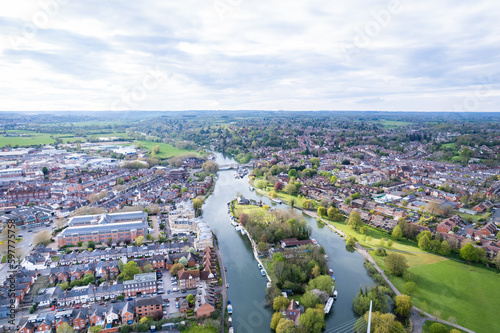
(227, 54)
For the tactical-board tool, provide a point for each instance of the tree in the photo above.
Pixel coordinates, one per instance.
(445, 248)
(183, 260)
(244, 219)
(197, 204)
(403, 305)
(309, 300)
(396, 264)
(409, 288)
(464, 200)
(139, 240)
(91, 245)
(322, 282)
(334, 214)
(158, 315)
(292, 173)
(148, 268)
(260, 184)
(120, 181)
(210, 167)
(277, 316)
(120, 265)
(273, 194)
(354, 220)
(381, 323)
(278, 186)
(333, 180)
(176, 268)
(404, 203)
(129, 270)
(307, 204)
(65, 328)
(45, 171)
(496, 261)
(292, 203)
(261, 247)
(285, 326)
(351, 241)
(438, 328)
(316, 271)
(433, 208)
(42, 237)
(424, 243)
(469, 253)
(190, 298)
(280, 303)
(291, 189)
(95, 329)
(313, 320)
(321, 211)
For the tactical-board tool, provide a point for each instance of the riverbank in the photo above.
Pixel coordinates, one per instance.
(254, 244)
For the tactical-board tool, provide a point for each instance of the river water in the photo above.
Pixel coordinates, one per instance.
(247, 287)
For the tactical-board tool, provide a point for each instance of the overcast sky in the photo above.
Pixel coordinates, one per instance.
(240, 54)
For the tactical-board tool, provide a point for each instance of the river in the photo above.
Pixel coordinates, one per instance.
(247, 287)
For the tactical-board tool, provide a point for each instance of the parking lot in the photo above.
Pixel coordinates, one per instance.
(168, 285)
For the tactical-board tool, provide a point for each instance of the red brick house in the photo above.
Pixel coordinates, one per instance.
(205, 310)
(293, 312)
(27, 327)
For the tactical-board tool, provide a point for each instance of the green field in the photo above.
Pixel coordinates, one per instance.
(468, 293)
(393, 123)
(36, 139)
(166, 150)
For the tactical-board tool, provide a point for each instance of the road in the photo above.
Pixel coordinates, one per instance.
(224, 289)
(25, 245)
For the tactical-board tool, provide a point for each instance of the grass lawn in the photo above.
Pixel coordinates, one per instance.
(468, 293)
(474, 218)
(166, 150)
(238, 209)
(451, 145)
(428, 323)
(200, 329)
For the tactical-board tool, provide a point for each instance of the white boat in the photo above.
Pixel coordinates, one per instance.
(231, 330)
(263, 272)
(335, 294)
(260, 266)
(227, 285)
(328, 305)
(269, 285)
(243, 232)
(278, 201)
(229, 307)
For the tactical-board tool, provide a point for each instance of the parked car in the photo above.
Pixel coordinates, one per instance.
(53, 308)
(184, 291)
(161, 292)
(174, 283)
(168, 291)
(78, 306)
(177, 304)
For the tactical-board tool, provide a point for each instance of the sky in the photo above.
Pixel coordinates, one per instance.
(394, 55)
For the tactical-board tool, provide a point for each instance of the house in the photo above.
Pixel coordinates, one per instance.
(189, 279)
(205, 310)
(292, 242)
(148, 306)
(482, 207)
(293, 312)
(489, 230)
